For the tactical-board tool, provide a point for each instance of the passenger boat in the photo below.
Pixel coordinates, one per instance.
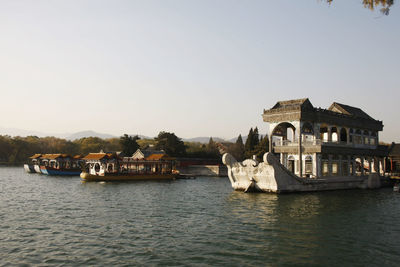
(110, 167)
(60, 164)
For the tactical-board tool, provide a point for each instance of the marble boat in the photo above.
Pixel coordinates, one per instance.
(271, 176)
(313, 149)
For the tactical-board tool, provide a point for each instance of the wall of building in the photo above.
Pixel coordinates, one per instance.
(204, 170)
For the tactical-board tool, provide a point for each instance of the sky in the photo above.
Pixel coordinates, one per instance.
(195, 68)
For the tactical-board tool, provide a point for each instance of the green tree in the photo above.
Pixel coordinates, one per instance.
(262, 147)
(237, 149)
(249, 145)
(90, 144)
(256, 137)
(6, 148)
(129, 144)
(212, 149)
(171, 144)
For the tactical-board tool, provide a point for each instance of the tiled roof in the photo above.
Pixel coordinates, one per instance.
(159, 157)
(349, 110)
(99, 156)
(53, 156)
(35, 156)
(292, 103)
(95, 156)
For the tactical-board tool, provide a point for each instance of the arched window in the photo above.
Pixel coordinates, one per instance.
(351, 135)
(334, 134)
(97, 167)
(290, 134)
(324, 134)
(307, 128)
(110, 167)
(366, 137)
(325, 165)
(281, 132)
(343, 135)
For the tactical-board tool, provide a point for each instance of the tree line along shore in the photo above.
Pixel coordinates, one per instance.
(17, 150)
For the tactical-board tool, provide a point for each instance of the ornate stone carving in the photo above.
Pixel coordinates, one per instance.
(271, 176)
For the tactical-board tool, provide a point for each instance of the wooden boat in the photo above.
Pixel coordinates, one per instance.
(109, 167)
(60, 164)
(59, 171)
(126, 177)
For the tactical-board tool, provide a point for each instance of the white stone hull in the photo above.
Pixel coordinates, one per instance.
(271, 176)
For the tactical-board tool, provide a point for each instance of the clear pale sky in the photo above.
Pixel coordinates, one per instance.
(196, 68)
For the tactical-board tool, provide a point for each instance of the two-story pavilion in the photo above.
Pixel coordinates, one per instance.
(314, 142)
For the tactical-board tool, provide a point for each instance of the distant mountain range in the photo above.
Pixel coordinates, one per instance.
(203, 140)
(83, 134)
(68, 136)
(89, 133)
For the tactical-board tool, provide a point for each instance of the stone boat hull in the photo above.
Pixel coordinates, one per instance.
(271, 176)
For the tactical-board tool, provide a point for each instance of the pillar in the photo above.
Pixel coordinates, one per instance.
(315, 165)
(329, 134)
(348, 165)
(329, 165)
(384, 165)
(370, 161)
(270, 143)
(319, 165)
(340, 171)
(300, 154)
(362, 166)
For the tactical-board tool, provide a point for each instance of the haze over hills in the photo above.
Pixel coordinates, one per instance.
(83, 134)
(203, 140)
(68, 136)
(90, 133)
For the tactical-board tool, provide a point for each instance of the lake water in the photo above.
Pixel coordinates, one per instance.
(62, 221)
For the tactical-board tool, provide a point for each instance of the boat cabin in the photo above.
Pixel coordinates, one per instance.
(59, 161)
(36, 159)
(313, 142)
(108, 163)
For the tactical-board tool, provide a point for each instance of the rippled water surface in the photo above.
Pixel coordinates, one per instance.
(61, 221)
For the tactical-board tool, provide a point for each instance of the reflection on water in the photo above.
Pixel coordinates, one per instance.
(259, 209)
(58, 220)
